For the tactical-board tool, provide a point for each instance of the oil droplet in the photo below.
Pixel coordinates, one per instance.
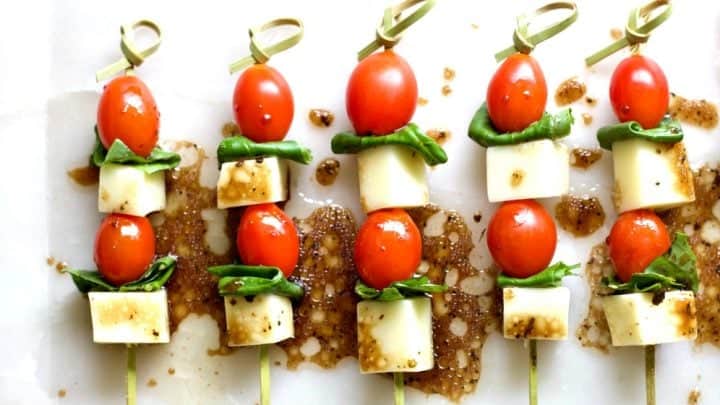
(266, 118)
(526, 93)
(625, 109)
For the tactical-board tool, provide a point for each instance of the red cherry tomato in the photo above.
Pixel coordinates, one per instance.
(517, 93)
(124, 248)
(637, 238)
(267, 236)
(127, 111)
(382, 94)
(639, 91)
(388, 248)
(521, 237)
(263, 104)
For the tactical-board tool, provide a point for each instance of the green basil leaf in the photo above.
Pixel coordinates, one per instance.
(153, 279)
(119, 153)
(239, 147)
(675, 270)
(550, 126)
(668, 131)
(413, 287)
(245, 280)
(409, 135)
(550, 277)
(86, 281)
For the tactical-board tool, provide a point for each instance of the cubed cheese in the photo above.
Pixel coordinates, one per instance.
(651, 175)
(395, 335)
(391, 176)
(252, 181)
(259, 320)
(536, 169)
(128, 190)
(536, 313)
(635, 320)
(130, 317)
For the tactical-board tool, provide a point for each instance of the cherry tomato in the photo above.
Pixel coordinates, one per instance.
(521, 237)
(124, 248)
(382, 94)
(636, 239)
(639, 91)
(263, 104)
(517, 93)
(267, 236)
(127, 111)
(388, 248)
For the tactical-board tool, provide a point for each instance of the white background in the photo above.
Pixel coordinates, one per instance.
(49, 52)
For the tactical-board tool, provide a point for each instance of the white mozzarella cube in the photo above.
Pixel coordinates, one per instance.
(130, 317)
(128, 190)
(635, 320)
(262, 319)
(537, 169)
(651, 175)
(536, 313)
(252, 181)
(391, 176)
(395, 336)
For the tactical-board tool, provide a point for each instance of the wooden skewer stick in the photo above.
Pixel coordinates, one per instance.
(650, 374)
(264, 375)
(399, 388)
(131, 376)
(533, 372)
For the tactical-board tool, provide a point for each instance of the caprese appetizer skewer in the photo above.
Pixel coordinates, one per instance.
(653, 277)
(253, 174)
(128, 303)
(395, 314)
(524, 161)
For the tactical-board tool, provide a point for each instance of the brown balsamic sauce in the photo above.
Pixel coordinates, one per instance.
(694, 397)
(446, 90)
(581, 216)
(326, 270)
(593, 330)
(587, 118)
(321, 118)
(616, 33)
(229, 129)
(701, 113)
(697, 220)
(422, 101)
(327, 171)
(583, 158)
(470, 301)
(191, 290)
(85, 176)
(570, 91)
(439, 135)
(448, 73)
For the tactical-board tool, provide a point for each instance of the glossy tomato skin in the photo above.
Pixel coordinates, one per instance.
(127, 111)
(639, 91)
(636, 239)
(267, 236)
(263, 104)
(517, 93)
(124, 248)
(381, 94)
(388, 248)
(521, 238)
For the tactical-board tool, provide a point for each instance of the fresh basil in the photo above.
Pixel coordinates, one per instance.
(675, 270)
(239, 147)
(242, 280)
(413, 287)
(119, 153)
(548, 127)
(550, 277)
(668, 131)
(409, 135)
(152, 280)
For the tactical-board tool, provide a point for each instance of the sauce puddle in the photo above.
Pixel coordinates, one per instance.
(325, 319)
